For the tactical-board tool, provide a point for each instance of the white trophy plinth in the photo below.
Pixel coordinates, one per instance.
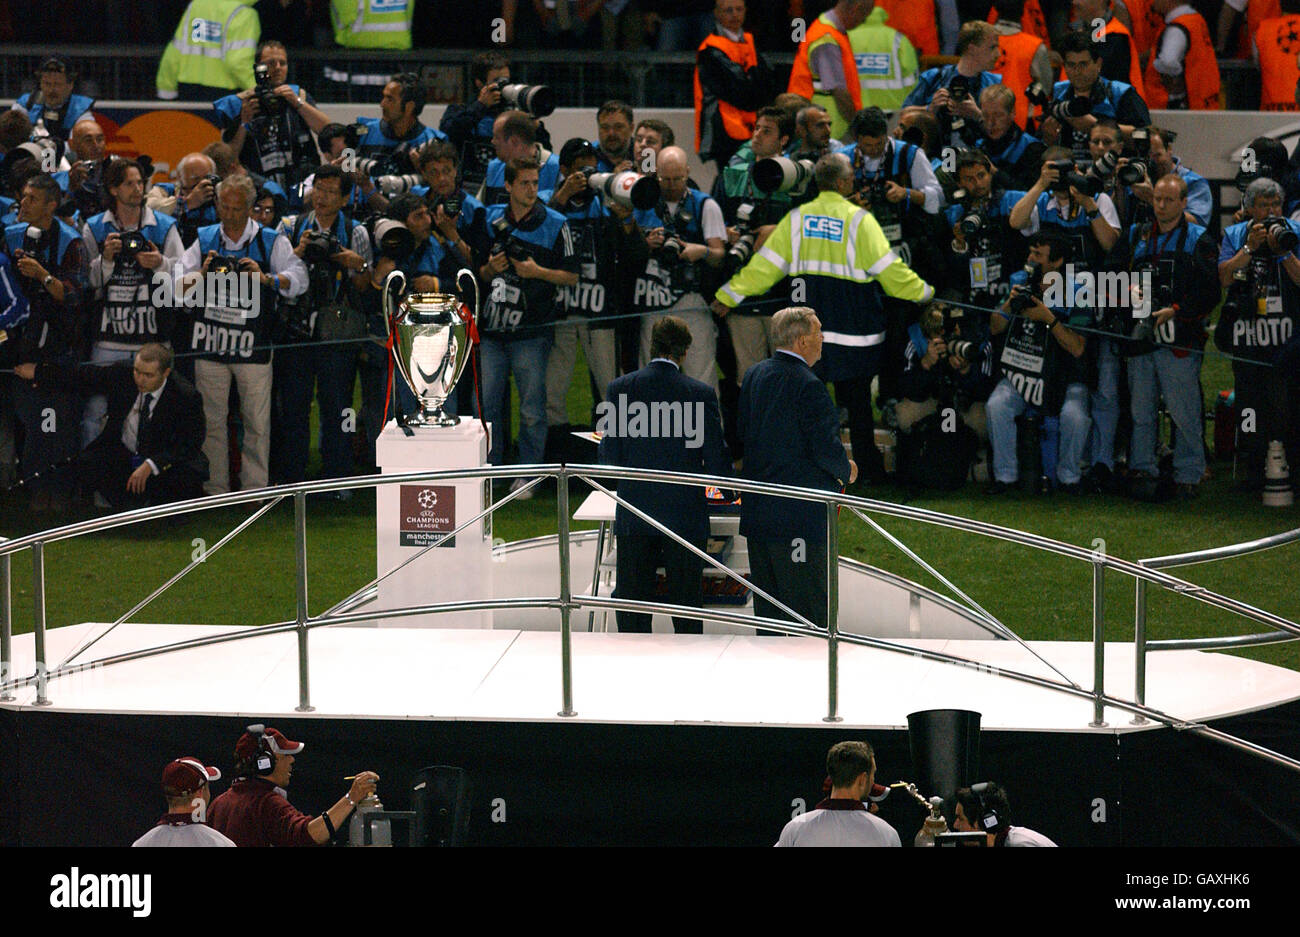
(409, 517)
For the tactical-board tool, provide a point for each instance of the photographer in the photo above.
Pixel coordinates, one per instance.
(50, 259)
(469, 126)
(683, 234)
(515, 136)
(1085, 96)
(53, 109)
(192, 199)
(750, 216)
(893, 180)
(1156, 160)
(1177, 259)
(1260, 268)
(1042, 366)
(613, 141)
(1071, 202)
(336, 253)
(532, 255)
(952, 92)
(603, 232)
(230, 334)
(388, 144)
(126, 246)
(1016, 155)
(82, 180)
(459, 219)
(953, 369)
(985, 247)
(812, 128)
(270, 126)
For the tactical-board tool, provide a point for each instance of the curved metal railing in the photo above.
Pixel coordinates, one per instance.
(1213, 554)
(566, 601)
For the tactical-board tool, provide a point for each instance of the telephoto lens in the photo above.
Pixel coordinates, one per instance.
(1070, 107)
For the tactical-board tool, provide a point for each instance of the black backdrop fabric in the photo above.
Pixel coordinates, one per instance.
(69, 779)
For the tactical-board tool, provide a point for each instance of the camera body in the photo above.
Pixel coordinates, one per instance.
(133, 243)
(268, 102)
(1281, 233)
(319, 247)
(534, 100)
(1023, 295)
(738, 254)
(451, 204)
(1069, 175)
(1066, 108)
(502, 243)
(224, 264)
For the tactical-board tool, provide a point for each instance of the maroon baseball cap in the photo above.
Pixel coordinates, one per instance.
(248, 744)
(188, 774)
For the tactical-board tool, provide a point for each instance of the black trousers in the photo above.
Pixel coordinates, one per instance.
(106, 468)
(792, 571)
(1271, 395)
(639, 557)
(855, 395)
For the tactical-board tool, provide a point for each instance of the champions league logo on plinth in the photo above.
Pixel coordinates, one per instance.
(431, 343)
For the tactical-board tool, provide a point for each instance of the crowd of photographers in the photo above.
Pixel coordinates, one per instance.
(1073, 258)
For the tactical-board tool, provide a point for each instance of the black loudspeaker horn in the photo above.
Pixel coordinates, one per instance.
(440, 795)
(945, 749)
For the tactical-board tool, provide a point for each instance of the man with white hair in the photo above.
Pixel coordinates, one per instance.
(191, 200)
(241, 268)
(684, 233)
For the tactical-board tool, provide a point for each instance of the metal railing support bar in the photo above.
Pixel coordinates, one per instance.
(38, 613)
(1140, 647)
(6, 627)
(1098, 645)
(832, 615)
(303, 616)
(993, 624)
(202, 558)
(566, 597)
(1221, 553)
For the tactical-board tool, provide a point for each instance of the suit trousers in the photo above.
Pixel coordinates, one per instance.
(212, 378)
(106, 468)
(639, 556)
(792, 572)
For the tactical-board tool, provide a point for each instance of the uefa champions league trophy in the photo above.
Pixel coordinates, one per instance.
(431, 343)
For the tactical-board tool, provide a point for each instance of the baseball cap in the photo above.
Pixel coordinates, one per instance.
(187, 773)
(54, 63)
(247, 745)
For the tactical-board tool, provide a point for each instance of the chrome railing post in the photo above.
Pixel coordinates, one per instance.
(38, 613)
(1098, 645)
(832, 616)
(300, 562)
(6, 627)
(1140, 649)
(566, 594)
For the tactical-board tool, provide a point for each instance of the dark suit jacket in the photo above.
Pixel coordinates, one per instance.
(678, 507)
(172, 436)
(792, 437)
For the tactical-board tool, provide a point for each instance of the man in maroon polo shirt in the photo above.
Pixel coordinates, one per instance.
(256, 812)
(185, 786)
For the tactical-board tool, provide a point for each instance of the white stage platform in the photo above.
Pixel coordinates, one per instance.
(513, 675)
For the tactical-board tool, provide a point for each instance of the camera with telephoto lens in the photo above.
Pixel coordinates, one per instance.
(954, 317)
(224, 264)
(268, 102)
(132, 244)
(629, 189)
(779, 174)
(536, 100)
(319, 247)
(1069, 107)
(738, 254)
(1281, 233)
(971, 224)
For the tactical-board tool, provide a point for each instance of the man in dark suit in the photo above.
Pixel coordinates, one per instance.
(151, 450)
(792, 437)
(658, 418)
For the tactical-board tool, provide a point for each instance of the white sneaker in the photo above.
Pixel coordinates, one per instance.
(519, 483)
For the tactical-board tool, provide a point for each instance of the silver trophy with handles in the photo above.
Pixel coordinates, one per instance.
(431, 343)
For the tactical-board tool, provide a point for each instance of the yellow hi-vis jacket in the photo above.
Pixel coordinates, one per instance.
(215, 45)
(372, 24)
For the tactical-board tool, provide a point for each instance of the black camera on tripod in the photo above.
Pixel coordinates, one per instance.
(269, 103)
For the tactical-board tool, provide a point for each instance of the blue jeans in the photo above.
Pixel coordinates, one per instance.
(1178, 381)
(526, 358)
(1105, 405)
(1005, 404)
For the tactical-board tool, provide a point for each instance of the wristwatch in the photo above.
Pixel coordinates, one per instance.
(49, 278)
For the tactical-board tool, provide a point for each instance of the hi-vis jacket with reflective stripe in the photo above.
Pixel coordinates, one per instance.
(844, 260)
(886, 60)
(214, 46)
(372, 24)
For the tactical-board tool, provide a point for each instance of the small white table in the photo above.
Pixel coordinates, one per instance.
(600, 507)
